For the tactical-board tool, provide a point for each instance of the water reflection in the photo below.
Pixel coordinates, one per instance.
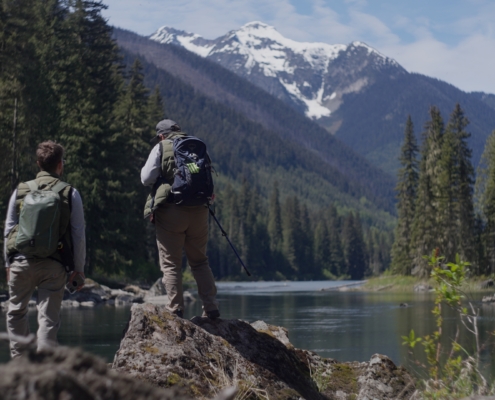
(347, 326)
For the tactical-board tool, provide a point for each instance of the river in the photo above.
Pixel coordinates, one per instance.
(347, 326)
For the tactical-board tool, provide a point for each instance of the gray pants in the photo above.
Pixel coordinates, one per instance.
(25, 275)
(179, 228)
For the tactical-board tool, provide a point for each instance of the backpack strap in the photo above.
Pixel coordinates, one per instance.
(59, 186)
(32, 185)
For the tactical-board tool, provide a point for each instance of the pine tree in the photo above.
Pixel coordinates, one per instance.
(464, 189)
(425, 231)
(293, 247)
(337, 260)
(354, 247)
(275, 220)
(447, 240)
(131, 132)
(322, 255)
(88, 85)
(486, 186)
(455, 204)
(310, 269)
(406, 188)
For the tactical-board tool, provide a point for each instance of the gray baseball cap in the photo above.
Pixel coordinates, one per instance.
(164, 127)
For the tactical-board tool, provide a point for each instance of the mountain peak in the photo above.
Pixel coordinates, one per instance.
(301, 73)
(256, 25)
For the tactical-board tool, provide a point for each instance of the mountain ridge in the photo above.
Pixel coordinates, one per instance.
(227, 88)
(257, 49)
(354, 92)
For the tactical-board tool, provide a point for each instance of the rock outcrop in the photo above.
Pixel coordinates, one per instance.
(201, 356)
(67, 373)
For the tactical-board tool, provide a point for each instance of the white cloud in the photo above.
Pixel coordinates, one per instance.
(470, 65)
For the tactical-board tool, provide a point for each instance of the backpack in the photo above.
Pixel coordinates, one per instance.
(39, 221)
(193, 182)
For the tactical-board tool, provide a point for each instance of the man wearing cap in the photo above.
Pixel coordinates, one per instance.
(177, 227)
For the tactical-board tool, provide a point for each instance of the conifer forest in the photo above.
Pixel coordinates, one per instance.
(62, 77)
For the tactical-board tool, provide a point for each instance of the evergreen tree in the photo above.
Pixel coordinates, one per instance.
(455, 212)
(447, 240)
(425, 231)
(486, 186)
(322, 255)
(293, 247)
(131, 132)
(88, 86)
(310, 270)
(407, 187)
(464, 189)
(354, 247)
(337, 260)
(275, 220)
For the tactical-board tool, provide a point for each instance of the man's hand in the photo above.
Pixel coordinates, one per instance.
(75, 276)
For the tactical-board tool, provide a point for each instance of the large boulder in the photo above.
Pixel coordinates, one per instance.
(202, 356)
(67, 373)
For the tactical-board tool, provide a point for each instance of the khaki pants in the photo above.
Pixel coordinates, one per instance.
(185, 228)
(25, 275)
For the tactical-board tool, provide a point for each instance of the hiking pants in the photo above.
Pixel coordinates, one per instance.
(185, 228)
(25, 275)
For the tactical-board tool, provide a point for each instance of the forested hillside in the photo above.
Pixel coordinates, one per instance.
(294, 211)
(251, 162)
(222, 86)
(382, 109)
(357, 93)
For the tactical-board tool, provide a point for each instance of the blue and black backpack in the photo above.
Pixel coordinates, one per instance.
(193, 182)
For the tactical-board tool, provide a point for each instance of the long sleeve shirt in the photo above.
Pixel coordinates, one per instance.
(153, 167)
(77, 227)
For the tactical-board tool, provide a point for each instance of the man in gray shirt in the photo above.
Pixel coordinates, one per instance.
(48, 275)
(177, 227)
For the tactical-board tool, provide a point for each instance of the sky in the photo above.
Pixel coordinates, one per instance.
(452, 40)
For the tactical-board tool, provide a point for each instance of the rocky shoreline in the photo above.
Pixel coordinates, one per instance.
(162, 356)
(94, 294)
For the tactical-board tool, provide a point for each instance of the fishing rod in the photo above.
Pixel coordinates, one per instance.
(228, 240)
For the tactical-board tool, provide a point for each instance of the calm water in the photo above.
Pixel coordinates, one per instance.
(347, 326)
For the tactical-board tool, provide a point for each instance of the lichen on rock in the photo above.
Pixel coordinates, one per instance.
(202, 356)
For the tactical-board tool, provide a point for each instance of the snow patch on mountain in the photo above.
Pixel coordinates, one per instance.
(263, 45)
(314, 107)
(259, 52)
(190, 41)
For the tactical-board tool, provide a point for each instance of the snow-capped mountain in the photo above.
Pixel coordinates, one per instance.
(312, 77)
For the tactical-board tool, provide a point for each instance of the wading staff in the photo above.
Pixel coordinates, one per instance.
(228, 240)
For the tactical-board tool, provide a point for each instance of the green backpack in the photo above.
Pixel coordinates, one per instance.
(39, 221)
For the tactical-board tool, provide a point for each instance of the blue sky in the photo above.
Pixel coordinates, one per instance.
(452, 40)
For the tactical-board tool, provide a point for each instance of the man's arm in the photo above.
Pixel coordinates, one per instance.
(78, 235)
(11, 221)
(153, 167)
